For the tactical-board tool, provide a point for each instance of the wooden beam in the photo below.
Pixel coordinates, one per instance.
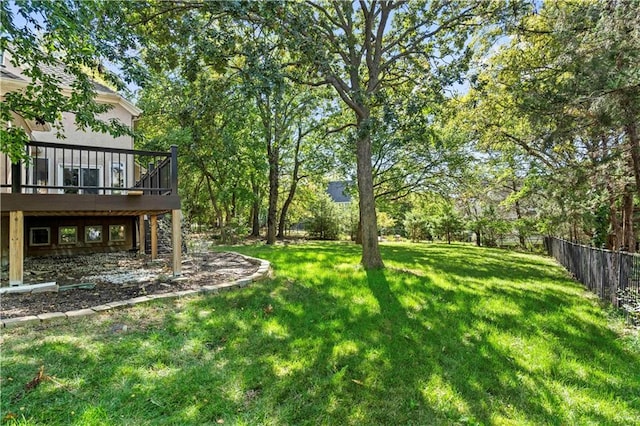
(141, 234)
(154, 236)
(176, 239)
(33, 203)
(16, 248)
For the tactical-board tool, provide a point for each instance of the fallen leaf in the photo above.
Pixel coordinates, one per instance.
(9, 416)
(40, 377)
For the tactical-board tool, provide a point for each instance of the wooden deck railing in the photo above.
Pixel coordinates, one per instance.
(55, 168)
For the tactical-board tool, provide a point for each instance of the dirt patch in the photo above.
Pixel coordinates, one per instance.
(97, 279)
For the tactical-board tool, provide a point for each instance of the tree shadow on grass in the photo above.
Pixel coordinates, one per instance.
(536, 303)
(446, 365)
(377, 347)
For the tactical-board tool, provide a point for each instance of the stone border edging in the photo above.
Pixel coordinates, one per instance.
(260, 274)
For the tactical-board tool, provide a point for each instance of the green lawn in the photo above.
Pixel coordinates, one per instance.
(445, 335)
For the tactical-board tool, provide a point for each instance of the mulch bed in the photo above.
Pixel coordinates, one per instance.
(115, 277)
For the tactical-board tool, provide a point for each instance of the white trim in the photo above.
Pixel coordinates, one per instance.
(10, 85)
(86, 231)
(60, 242)
(39, 228)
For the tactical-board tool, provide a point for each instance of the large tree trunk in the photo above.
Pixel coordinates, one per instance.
(371, 258)
(255, 219)
(292, 189)
(358, 237)
(255, 209)
(629, 240)
(273, 195)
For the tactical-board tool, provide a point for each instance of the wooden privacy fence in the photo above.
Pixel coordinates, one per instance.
(613, 276)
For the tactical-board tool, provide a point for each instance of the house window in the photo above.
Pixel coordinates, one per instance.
(67, 235)
(93, 234)
(40, 173)
(117, 233)
(117, 176)
(74, 176)
(39, 236)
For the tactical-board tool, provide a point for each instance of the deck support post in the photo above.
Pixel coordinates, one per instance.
(141, 234)
(16, 248)
(154, 236)
(176, 239)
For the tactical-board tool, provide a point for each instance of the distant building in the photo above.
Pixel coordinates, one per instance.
(337, 190)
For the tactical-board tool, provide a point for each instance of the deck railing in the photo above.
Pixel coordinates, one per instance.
(55, 168)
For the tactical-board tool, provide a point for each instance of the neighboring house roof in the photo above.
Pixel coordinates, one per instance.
(337, 191)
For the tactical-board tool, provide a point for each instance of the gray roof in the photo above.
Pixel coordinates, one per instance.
(57, 70)
(337, 191)
(67, 79)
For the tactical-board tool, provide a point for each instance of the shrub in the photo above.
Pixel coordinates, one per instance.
(324, 220)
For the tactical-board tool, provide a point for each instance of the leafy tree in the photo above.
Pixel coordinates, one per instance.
(257, 58)
(307, 161)
(79, 36)
(324, 220)
(447, 222)
(213, 128)
(416, 226)
(496, 227)
(364, 50)
(386, 223)
(564, 92)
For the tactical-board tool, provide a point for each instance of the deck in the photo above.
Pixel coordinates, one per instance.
(65, 198)
(61, 179)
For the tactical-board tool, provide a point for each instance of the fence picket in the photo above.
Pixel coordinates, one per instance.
(613, 276)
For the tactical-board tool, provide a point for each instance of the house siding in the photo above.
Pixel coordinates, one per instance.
(74, 136)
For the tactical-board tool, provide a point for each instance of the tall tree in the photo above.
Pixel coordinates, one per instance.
(212, 125)
(363, 49)
(282, 106)
(565, 91)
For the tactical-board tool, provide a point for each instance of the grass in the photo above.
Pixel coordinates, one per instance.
(445, 335)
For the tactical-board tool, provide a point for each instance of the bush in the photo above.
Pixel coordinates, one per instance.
(233, 232)
(324, 220)
(416, 226)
